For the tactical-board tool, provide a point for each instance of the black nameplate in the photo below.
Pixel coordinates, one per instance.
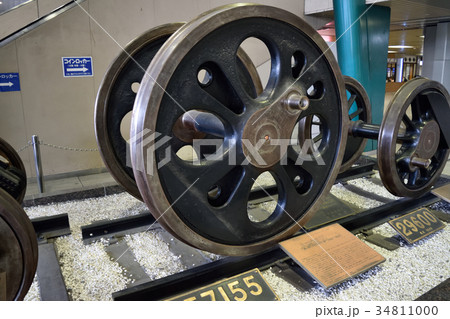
(249, 286)
(417, 225)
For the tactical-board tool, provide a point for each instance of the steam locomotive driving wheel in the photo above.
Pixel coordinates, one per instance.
(194, 81)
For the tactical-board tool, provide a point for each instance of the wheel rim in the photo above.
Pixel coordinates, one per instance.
(356, 145)
(208, 227)
(19, 251)
(14, 160)
(394, 157)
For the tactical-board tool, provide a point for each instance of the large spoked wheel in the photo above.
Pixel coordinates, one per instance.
(14, 163)
(412, 151)
(116, 97)
(311, 127)
(18, 248)
(204, 202)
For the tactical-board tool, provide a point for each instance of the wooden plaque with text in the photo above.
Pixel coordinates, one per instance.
(331, 254)
(443, 192)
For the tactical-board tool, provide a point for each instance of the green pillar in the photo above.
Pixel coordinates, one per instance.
(348, 35)
(376, 24)
(362, 45)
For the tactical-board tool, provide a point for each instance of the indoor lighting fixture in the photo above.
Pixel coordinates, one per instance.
(392, 51)
(401, 47)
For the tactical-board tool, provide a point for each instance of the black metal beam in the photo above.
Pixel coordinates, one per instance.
(116, 227)
(51, 226)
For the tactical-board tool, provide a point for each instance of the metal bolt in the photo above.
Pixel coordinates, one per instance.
(295, 101)
(420, 162)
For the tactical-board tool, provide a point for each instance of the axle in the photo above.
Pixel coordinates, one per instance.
(370, 131)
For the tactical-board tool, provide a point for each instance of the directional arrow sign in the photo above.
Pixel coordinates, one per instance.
(77, 66)
(9, 82)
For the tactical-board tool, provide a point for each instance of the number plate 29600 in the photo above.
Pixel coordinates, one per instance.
(416, 225)
(249, 286)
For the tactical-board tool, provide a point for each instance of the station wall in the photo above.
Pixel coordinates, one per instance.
(61, 110)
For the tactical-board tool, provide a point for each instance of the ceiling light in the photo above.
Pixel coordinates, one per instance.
(392, 51)
(401, 47)
(422, 36)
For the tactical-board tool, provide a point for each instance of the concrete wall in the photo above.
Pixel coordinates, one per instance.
(61, 110)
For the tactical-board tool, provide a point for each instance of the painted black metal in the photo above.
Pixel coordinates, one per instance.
(110, 228)
(440, 108)
(51, 282)
(364, 169)
(52, 226)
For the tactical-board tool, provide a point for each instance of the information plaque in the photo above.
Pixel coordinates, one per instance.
(2, 286)
(443, 192)
(249, 286)
(331, 254)
(417, 225)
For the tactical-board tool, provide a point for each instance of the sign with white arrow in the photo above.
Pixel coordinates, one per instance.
(77, 66)
(9, 82)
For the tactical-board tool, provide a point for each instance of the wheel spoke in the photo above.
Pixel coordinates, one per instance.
(413, 178)
(356, 113)
(318, 138)
(202, 100)
(351, 100)
(229, 76)
(408, 122)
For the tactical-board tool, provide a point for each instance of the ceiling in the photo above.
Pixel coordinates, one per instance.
(408, 19)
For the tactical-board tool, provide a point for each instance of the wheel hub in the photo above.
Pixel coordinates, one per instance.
(429, 140)
(264, 140)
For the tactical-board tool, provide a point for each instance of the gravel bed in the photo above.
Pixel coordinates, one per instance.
(153, 254)
(365, 183)
(89, 273)
(345, 195)
(34, 293)
(407, 273)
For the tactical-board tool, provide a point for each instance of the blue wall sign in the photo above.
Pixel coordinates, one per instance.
(77, 66)
(9, 82)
